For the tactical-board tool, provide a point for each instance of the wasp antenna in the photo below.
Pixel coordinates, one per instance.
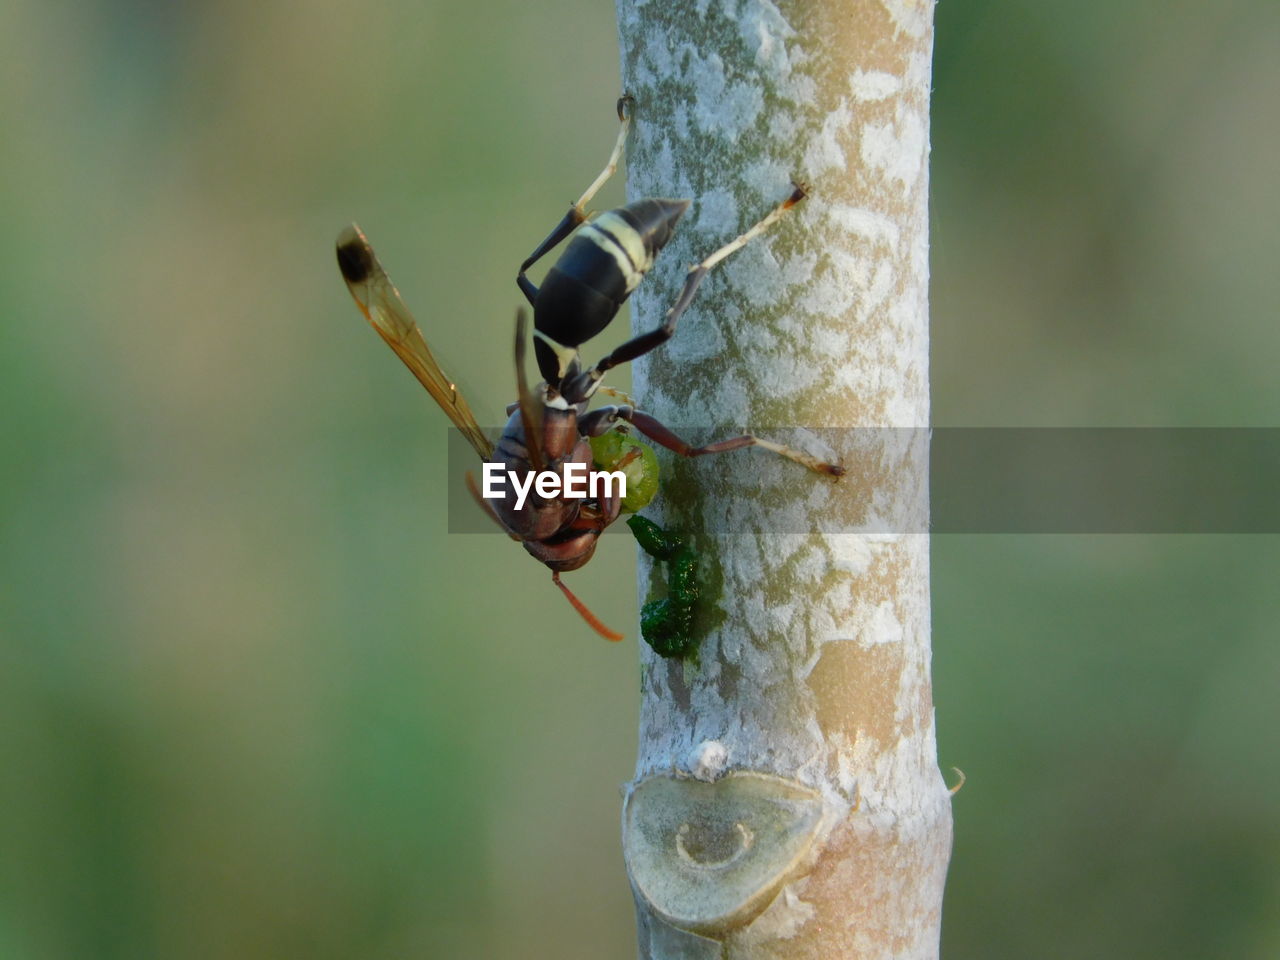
(530, 412)
(592, 620)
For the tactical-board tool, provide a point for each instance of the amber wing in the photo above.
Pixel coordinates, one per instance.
(380, 302)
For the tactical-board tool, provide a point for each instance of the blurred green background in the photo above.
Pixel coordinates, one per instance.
(255, 704)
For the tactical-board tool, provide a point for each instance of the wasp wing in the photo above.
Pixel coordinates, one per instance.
(380, 302)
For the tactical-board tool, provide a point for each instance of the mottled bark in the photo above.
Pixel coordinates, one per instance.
(787, 801)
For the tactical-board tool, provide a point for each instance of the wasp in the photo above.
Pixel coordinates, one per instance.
(550, 426)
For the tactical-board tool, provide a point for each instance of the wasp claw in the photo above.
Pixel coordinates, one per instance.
(799, 193)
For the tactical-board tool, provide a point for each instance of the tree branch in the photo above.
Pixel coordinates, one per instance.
(787, 800)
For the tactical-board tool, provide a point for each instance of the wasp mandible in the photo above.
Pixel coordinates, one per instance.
(549, 426)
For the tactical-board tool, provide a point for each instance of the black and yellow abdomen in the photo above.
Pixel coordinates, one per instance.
(605, 260)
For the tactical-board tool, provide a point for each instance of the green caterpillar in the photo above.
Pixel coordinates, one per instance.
(667, 624)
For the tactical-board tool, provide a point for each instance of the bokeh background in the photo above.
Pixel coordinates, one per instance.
(255, 704)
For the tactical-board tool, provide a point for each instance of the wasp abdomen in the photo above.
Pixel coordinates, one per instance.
(603, 263)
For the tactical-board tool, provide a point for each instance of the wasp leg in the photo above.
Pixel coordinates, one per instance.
(585, 384)
(598, 421)
(616, 394)
(578, 212)
(611, 167)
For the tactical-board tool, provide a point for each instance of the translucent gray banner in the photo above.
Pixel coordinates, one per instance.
(976, 479)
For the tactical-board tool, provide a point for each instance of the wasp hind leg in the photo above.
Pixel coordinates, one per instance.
(625, 102)
(578, 212)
